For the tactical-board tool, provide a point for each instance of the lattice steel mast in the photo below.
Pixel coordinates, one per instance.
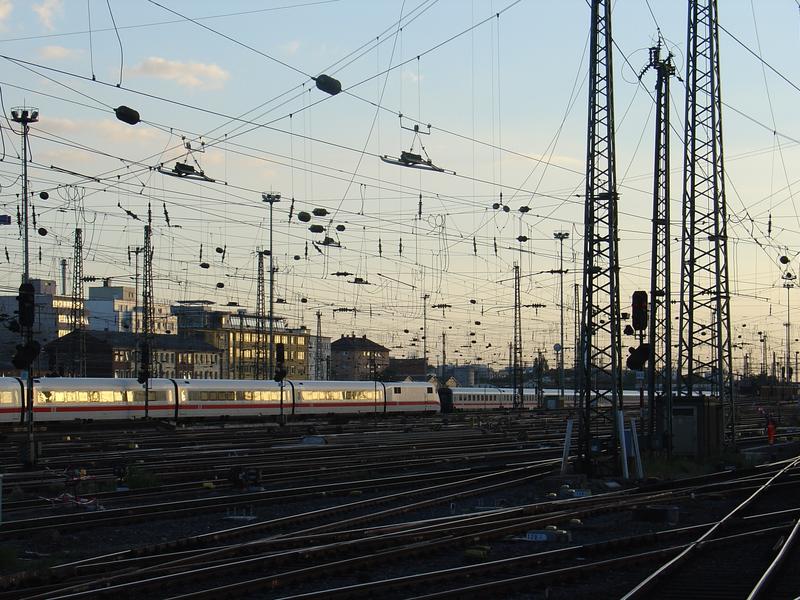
(76, 316)
(659, 366)
(518, 398)
(261, 316)
(318, 349)
(147, 310)
(576, 343)
(704, 355)
(600, 376)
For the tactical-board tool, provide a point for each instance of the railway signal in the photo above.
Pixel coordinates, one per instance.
(27, 305)
(639, 313)
(280, 362)
(638, 357)
(25, 355)
(144, 365)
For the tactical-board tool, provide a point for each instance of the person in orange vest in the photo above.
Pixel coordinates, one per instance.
(771, 432)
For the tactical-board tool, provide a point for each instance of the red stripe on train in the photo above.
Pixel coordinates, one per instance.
(235, 406)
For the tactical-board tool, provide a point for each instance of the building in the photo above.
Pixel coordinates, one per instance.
(116, 308)
(322, 371)
(467, 375)
(357, 359)
(235, 333)
(116, 354)
(52, 320)
(402, 368)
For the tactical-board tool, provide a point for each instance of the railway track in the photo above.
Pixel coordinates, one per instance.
(385, 509)
(748, 566)
(341, 548)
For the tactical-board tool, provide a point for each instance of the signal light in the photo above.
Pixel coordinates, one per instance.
(26, 354)
(639, 305)
(638, 356)
(280, 362)
(27, 305)
(144, 364)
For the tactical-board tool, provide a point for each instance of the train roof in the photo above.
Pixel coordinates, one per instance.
(358, 385)
(486, 390)
(10, 384)
(269, 384)
(92, 384)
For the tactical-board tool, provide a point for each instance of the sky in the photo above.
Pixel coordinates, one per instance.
(228, 89)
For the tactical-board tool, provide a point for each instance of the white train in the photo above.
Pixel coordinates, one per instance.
(67, 398)
(495, 398)
(489, 398)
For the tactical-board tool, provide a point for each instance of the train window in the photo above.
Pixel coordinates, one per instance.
(8, 398)
(262, 396)
(321, 395)
(213, 396)
(398, 390)
(360, 395)
(155, 396)
(78, 397)
(430, 390)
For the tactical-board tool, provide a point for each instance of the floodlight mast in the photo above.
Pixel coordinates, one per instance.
(25, 115)
(561, 236)
(271, 198)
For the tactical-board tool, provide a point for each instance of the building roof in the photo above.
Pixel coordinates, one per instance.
(126, 339)
(353, 343)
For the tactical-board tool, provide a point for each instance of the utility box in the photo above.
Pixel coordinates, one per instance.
(697, 427)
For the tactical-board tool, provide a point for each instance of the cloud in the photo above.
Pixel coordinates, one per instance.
(291, 48)
(47, 10)
(59, 125)
(6, 6)
(409, 75)
(190, 74)
(119, 132)
(104, 129)
(58, 53)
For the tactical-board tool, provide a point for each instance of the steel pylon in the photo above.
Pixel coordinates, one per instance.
(518, 400)
(659, 366)
(704, 354)
(261, 316)
(147, 298)
(77, 311)
(600, 368)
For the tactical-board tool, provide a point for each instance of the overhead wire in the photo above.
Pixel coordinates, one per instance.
(291, 134)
